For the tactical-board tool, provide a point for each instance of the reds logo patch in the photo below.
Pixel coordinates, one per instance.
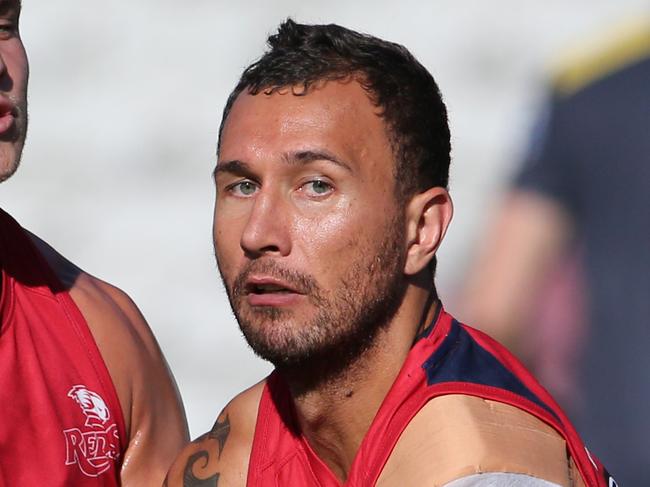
(96, 446)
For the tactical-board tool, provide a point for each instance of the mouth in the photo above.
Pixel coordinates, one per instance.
(7, 115)
(265, 291)
(268, 286)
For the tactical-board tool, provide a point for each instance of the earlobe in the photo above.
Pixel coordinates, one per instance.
(428, 215)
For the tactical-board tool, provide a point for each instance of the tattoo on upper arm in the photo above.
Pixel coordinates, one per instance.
(190, 480)
(219, 432)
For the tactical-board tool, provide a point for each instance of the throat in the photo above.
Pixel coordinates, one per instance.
(334, 422)
(335, 415)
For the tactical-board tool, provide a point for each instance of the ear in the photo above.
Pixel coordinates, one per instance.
(427, 217)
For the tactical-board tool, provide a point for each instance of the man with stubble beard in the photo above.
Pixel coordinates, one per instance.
(86, 398)
(331, 203)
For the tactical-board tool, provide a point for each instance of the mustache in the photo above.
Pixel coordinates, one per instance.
(18, 103)
(300, 281)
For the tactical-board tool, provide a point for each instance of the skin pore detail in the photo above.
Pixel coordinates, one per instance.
(314, 185)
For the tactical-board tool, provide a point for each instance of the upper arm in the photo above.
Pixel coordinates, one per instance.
(153, 412)
(531, 228)
(220, 457)
(529, 234)
(456, 436)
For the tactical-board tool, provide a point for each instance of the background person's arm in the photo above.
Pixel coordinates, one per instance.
(530, 233)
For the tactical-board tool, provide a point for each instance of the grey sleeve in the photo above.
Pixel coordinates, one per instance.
(500, 479)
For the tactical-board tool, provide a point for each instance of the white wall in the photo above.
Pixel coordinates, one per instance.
(125, 102)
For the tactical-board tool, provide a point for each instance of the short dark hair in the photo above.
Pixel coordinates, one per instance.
(404, 91)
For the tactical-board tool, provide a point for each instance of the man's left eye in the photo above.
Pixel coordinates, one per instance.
(7, 29)
(318, 187)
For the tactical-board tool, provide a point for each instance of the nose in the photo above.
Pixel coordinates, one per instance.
(6, 83)
(268, 229)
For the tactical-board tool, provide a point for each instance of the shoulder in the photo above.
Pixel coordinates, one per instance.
(456, 436)
(153, 413)
(221, 454)
(600, 55)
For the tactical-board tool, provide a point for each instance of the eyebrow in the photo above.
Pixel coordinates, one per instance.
(304, 157)
(300, 158)
(9, 6)
(234, 167)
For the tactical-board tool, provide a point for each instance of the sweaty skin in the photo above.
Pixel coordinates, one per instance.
(153, 412)
(277, 150)
(151, 405)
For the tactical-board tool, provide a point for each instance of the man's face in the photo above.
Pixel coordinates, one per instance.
(13, 89)
(307, 231)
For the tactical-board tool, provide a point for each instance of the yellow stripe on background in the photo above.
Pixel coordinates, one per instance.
(610, 52)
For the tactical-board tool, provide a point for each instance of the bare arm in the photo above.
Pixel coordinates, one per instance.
(455, 437)
(153, 413)
(530, 232)
(220, 457)
(156, 423)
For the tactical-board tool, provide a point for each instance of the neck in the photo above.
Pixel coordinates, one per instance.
(335, 415)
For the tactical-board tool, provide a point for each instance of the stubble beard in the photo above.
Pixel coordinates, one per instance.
(13, 141)
(347, 320)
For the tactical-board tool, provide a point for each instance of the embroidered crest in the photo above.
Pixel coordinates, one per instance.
(94, 447)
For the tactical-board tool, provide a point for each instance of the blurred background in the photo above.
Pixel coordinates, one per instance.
(125, 103)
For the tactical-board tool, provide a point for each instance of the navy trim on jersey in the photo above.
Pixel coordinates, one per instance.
(459, 358)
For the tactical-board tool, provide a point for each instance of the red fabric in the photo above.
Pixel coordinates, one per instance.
(282, 457)
(60, 419)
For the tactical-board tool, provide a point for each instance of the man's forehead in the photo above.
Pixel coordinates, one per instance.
(324, 105)
(337, 118)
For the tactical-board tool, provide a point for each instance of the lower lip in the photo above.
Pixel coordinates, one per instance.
(6, 122)
(274, 299)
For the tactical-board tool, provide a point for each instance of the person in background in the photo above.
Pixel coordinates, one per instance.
(86, 398)
(585, 184)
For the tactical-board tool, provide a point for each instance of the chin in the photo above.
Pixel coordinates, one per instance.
(7, 170)
(277, 338)
(9, 159)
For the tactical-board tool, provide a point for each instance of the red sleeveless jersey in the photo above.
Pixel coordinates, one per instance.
(60, 419)
(450, 358)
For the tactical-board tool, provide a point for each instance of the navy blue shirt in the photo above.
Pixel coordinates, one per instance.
(591, 153)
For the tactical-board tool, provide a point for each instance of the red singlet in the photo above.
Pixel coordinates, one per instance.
(60, 419)
(449, 358)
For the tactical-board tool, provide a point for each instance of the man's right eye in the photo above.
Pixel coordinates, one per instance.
(7, 29)
(243, 188)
